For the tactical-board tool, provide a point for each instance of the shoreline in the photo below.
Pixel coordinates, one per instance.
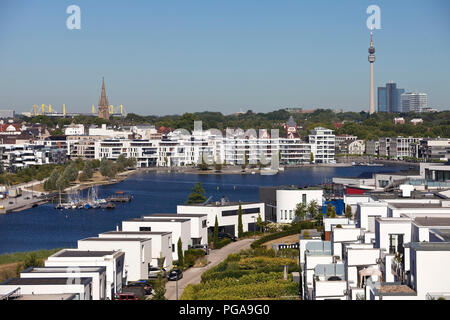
(228, 170)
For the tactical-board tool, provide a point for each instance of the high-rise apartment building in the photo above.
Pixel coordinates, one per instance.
(414, 101)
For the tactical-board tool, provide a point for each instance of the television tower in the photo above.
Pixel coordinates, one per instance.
(371, 60)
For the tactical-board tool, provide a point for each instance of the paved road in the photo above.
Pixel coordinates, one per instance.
(193, 275)
(20, 203)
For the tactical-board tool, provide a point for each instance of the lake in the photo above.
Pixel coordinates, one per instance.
(44, 227)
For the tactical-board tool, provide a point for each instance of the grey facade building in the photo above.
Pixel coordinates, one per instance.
(389, 98)
(7, 114)
(414, 102)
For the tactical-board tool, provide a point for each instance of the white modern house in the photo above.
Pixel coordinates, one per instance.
(287, 200)
(179, 228)
(138, 253)
(316, 253)
(97, 275)
(49, 288)
(161, 244)
(329, 282)
(199, 227)
(112, 260)
(227, 214)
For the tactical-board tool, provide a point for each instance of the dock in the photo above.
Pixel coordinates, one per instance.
(119, 196)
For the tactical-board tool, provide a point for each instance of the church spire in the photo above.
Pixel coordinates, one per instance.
(103, 99)
(103, 105)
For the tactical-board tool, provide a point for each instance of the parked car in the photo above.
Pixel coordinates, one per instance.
(126, 296)
(204, 247)
(142, 284)
(175, 274)
(224, 235)
(153, 272)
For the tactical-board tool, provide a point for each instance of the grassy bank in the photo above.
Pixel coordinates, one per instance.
(11, 263)
(17, 257)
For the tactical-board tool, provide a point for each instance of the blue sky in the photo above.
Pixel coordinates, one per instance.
(171, 57)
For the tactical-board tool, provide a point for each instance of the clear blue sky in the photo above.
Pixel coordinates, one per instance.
(170, 57)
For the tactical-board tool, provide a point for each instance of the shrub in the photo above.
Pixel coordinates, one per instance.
(294, 229)
(222, 243)
(191, 256)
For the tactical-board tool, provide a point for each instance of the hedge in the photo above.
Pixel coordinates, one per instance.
(222, 243)
(297, 228)
(268, 289)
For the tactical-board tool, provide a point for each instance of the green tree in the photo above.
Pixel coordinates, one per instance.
(312, 209)
(180, 253)
(311, 157)
(30, 261)
(245, 161)
(300, 211)
(348, 211)
(88, 170)
(107, 169)
(50, 183)
(197, 195)
(331, 211)
(259, 222)
(240, 225)
(159, 292)
(216, 232)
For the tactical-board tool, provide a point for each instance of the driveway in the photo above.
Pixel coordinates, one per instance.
(193, 275)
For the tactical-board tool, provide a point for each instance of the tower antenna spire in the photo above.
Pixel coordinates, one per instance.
(371, 60)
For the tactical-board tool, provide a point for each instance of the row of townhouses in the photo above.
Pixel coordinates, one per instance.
(396, 246)
(101, 266)
(395, 147)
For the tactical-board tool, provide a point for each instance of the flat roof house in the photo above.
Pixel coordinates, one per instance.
(227, 214)
(97, 275)
(180, 229)
(329, 282)
(112, 260)
(81, 287)
(199, 226)
(138, 253)
(161, 244)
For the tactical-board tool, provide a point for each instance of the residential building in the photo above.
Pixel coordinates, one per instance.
(138, 253)
(414, 102)
(227, 214)
(112, 260)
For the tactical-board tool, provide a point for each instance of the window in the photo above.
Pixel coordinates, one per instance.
(290, 214)
(147, 229)
(204, 224)
(173, 247)
(304, 199)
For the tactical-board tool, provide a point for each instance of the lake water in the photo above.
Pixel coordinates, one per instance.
(44, 227)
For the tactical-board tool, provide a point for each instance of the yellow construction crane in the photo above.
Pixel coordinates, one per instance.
(93, 109)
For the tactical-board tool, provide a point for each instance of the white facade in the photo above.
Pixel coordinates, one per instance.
(50, 286)
(138, 253)
(74, 130)
(161, 243)
(97, 275)
(180, 229)
(227, 214)
(199, 228)
(322, 142)
(287, 201)
(112, 260)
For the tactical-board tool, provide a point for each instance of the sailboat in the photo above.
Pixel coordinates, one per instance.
(59, 206)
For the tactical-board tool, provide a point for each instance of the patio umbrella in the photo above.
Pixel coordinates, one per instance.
(369, 271)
